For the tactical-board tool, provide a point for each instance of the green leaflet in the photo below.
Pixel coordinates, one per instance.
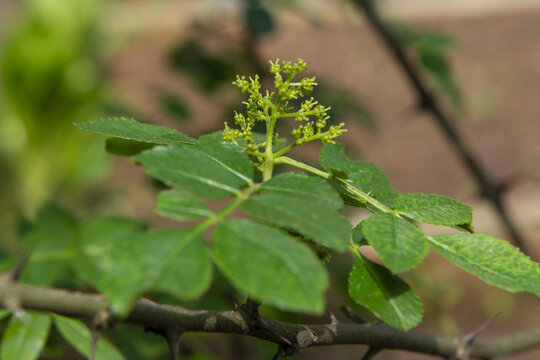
(181, 206)
(131, 129)
(122, 262)
(301, 186)
(23, 341)
(50, 242)
(386, 295)
(209, 169)
(433, 209)
(326, 226)
(123, 147)
(270, 266)
(491, 259)
(400, 244)
(366, 176)
(78, 335)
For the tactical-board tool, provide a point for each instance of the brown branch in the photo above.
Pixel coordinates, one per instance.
(427, 100)
(149, 314)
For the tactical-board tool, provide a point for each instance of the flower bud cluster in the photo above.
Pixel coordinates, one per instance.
(271, 106)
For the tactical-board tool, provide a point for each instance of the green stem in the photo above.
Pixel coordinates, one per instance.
(268, 165)
(344, 183)
(211, 220)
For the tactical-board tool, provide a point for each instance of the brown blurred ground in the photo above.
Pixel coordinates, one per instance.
(497, 64)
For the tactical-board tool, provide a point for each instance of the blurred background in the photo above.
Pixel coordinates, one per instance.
(172, 62)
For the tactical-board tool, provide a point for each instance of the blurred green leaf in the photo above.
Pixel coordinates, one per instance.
(181, 206)
(258, 18)
(435, 61)
(77, 334)
(23, 341)
(122, 262)
(207, 70)
(175, 106)
(270, 266)
(400, 244)
(491, 259)
(51, 245)
(386, 295)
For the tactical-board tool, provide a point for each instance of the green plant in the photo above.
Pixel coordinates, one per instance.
(276, 256)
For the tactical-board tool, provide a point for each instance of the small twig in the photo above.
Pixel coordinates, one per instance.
(279, 353)
(102, 320)
(371, 353)
(488, 187)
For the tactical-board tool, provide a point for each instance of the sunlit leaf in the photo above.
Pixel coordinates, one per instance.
(400, 244)
(433, 209)
(270, 266)
(491, 259)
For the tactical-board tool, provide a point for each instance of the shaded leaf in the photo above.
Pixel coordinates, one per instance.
(123, 147)
(181, 206)
(400, 244)
(50, 242)
(435, 61)
(208, 71)
(270, 266)
(130, 129)
(210, 169)
(23, 341)
(386, 295)
(77, 334)
(301, 186)
(122, 262)
(366, 176)
(433, 209)
(491, 259)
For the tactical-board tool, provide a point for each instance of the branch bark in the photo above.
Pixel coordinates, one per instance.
(427, 100)
(157, 316)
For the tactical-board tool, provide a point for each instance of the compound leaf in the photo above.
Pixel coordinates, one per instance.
(491, 259)
(131, 129)
(24, 341)
(326, 226)
(270, 266)
(433, 209)
(208, 169)
(181, 206)
(77, 334)
(386, 295)
(400, 244)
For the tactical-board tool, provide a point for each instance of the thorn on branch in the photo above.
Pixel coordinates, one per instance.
(102, 320)
(371, 353)
(333, 319)
(14, 274)
(462, 352)
(172, 336)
